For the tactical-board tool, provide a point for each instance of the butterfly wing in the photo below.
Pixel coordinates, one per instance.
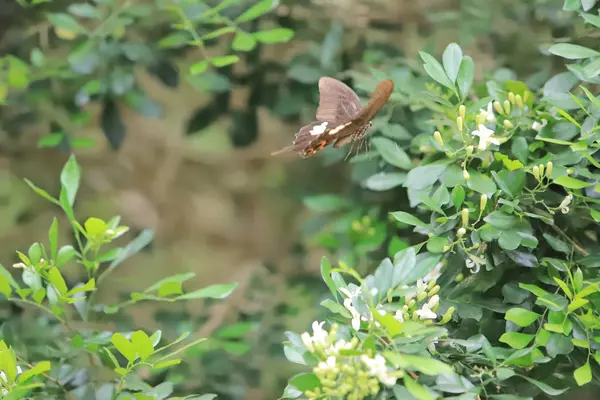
(337, 102)
(380, 96)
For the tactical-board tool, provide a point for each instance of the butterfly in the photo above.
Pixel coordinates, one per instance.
(341, 118)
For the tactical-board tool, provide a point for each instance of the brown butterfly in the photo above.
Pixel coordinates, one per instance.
(340, 117)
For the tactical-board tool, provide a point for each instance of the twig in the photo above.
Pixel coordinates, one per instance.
(565, 236)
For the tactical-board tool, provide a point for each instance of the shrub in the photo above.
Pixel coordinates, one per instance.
(490, 289)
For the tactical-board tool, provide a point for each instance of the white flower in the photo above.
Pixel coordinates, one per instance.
(434, 273)
(399, 316)
(564, 205)
(486, 136)
(377, 368)
(5, 380)
(337, 346)
(328, 365)
(489, 114)
(307, 340)
(320, 335)
(536, 126)
(355, 314)
(426, 313)
(474, 263)
(433, 301)
(421, 287)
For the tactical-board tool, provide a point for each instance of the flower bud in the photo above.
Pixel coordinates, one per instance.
(438, 138)
(479, 120)
(411, 303)
(445, 248)
(431, 284)
(421, 296)
(507, 124)
(459, 277)
(434, 291)
(519, 101)
(498, 107)
(511, 97)
(466, 175)
(461, 111)
(526, 96)
(469, 150)
(507, 107)
(482, 202)
(461, 232)
(447, 316)
(465, 216)
(541, 167)
(549, 166)
(356, 226)
(459, 123)
(569, 171)
(536, 172)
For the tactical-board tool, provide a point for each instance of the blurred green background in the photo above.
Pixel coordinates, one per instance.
(189, 157)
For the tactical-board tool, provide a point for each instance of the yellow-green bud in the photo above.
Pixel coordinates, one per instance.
(478, 120)
(447, 316)
(519, 101)
(461, 232)
(536, 172)
(438, 138)
(459, 277)
(482, 202)
(541, 167)
(356, 226)
(498, 107)
(549, 166)
(414, 316)
(461, 111)
(507, 124)
(466, 175)
(469, 150)
(507, 107)
(411, 303)
(511, 97)
(526, 96)
(421, 296)
(445, 248)
(476, 245)
(434, 290)
(435, 307)
(569, 171)
(431, 284)
(459, 123)
(465, 216)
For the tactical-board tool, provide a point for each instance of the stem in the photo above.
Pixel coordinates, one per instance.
(44, 308)
(580, 249)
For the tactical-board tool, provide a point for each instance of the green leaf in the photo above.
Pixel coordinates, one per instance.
(326, 276)
(571, 183)
(277, 35)
(458, 196)
(418, 391)
(583, 374)
(516, 340)
(39, 368)
(424, 176)
(142, 345)
(89, 286)
(258, 9)
(465, 77)
(304, 381)
(559, 344)
(554, 302)
(212, 292)
(65, 22)
(124, 347)
(218, 32)
(392, 153)
(243, 42)
(41, 192)
(133, 247)
(572, 51)
(326, 203)
(223, 61)
(595, 215)
(51, 140)
(557, 244)
(35, 253)
(178, 278)
(544, 387)
(382, 181)
(521, 316)
(408, 219)
(95, 227)
(481, 183)
(56, 279)
(428, 366)
(199, 67)
(452, 60)
(5, 287)
(70, 177)
(536, 290)
(64, 255)
(520, 148)
(436, 244)
(501, 220)
(592, 19)
(168, 363)
(53, 238)
(84, 10)
(435, 70)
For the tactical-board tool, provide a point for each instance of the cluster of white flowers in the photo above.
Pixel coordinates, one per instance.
(378, 369)
(537, 126)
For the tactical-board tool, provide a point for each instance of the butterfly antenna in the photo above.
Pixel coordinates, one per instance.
(284, 150)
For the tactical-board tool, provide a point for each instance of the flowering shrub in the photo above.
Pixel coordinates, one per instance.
(490, 289)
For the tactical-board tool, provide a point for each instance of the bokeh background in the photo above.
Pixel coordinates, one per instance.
(190, 158)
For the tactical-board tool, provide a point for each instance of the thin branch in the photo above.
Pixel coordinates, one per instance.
(565, 236)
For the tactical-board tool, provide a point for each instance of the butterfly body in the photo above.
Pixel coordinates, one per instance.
(340, 117)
